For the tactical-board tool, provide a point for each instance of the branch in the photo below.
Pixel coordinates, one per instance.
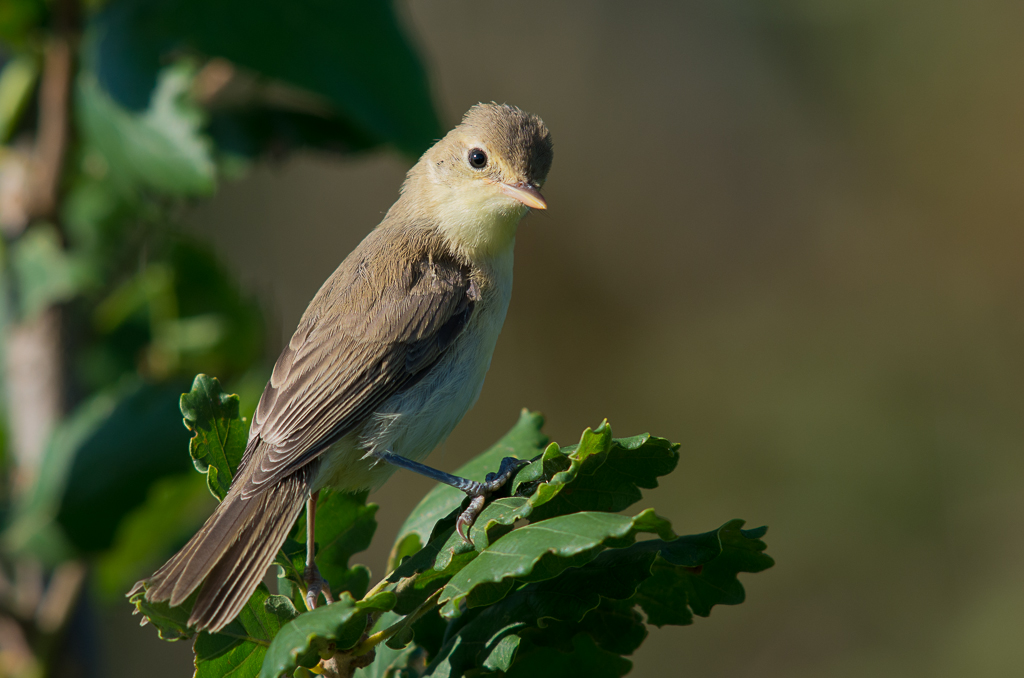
(54, 113)
(35, 368)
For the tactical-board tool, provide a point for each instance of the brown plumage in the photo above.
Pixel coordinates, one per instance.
(387, 358)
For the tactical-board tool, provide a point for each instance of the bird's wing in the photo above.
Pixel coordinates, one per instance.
(365, 337)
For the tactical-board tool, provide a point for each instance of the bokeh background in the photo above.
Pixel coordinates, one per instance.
(787, 234)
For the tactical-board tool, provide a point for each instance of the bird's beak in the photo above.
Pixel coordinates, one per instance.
(525, 193)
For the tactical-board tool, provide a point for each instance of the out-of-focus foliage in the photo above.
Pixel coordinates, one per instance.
(554, 576)
(166, 99)
(353, 78)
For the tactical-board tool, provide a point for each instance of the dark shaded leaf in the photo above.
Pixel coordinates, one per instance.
(253, 130)
(613, 624)
(352, 53)
(19, 19)
(586, 659)
(113, 469)
(174, 508)
(674, 590)
(404, 662)
(551, 612)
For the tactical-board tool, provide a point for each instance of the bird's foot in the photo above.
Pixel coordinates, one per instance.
(315, 586)
(493, 482)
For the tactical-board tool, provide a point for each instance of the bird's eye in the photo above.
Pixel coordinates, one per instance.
(477, 158)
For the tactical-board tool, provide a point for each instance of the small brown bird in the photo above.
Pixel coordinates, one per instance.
(387, 359)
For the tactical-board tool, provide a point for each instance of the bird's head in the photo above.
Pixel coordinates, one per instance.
(482, 177)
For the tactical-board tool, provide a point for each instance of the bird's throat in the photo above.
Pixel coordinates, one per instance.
(481, 225)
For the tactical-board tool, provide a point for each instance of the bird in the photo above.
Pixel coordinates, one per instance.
(388, 357)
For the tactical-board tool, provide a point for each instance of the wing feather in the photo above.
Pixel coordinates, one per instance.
(368, 334)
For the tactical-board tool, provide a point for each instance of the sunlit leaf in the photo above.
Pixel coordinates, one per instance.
(543, 551)
(17, 78)
(159, 148)
(240, 647)
(338, 625)
(219, 434)
(523, 441)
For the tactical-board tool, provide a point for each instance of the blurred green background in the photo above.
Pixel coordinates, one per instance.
(787, 234)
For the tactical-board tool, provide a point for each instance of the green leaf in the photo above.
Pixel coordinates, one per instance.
(550, 612)
(405, 663)
(45, 272)
(390, 662)
(33, 528)
(543, 551)
(585, 465)
(174, 508)
(95, 474)
(354, 54)
(19, 19)
(523, 441)
(239, 649)
(17, 80)
(160, 148)
(604, 474)
(337, 626)
(171, 622)
(614, 625)
(110, 475)
(598, 474)
(425, 572)
(220, 434)
(239, 646)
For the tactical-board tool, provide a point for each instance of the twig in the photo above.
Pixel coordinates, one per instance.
(60, 596)
(52, 134)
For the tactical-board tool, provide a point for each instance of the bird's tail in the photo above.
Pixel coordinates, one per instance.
(231, 553)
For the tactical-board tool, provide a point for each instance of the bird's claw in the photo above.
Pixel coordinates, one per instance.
(316, 585)
(467, 517)
(493, 482)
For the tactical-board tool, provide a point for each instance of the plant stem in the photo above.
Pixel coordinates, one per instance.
(410, 619)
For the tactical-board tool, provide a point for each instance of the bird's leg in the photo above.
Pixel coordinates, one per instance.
(314, 582)
(477, 490)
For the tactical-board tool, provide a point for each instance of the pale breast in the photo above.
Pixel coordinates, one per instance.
(412, 423)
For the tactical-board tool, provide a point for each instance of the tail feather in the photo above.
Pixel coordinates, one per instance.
(230, 554)
(233, 578)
